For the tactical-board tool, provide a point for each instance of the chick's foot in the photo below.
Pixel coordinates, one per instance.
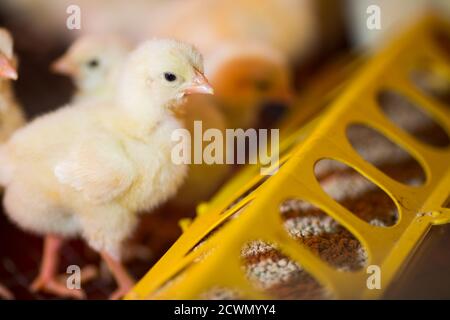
(124, 281)
(47, 279)
(56, 288)
(5, 293)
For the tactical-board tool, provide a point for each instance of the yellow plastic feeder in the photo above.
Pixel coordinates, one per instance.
(184, 273)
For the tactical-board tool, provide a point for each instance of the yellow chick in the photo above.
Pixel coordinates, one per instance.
(11, 115)
(96, 81)
(87, 169)
(93, 63)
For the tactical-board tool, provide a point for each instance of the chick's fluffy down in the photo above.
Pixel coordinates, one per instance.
(77, 177)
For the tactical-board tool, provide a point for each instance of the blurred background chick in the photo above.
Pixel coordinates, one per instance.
(288, 25)
(252, 84)
(246, 42)
(93, 64)
(11, 115)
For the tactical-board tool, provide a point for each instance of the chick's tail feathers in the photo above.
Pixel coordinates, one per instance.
(6, 168)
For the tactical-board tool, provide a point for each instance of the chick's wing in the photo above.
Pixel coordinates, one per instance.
(98, 168)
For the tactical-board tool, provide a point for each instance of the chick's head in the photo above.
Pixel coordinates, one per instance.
(8, 63)
(92, 62)
(161, 73)
(249, 81)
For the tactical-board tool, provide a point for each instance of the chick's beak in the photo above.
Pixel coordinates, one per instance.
(63, 66)
(199, 85)
(7, 69)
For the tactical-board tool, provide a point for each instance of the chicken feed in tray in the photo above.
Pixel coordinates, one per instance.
(284, 279)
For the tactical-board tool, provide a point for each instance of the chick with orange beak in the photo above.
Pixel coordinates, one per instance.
(97, 165)
(11, 115)
(92, 62)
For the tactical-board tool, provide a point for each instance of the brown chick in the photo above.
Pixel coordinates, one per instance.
(252, 84)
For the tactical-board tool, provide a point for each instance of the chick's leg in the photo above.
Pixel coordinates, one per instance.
(5, 293)
(105, 229)
(123, 279)
(47, 279)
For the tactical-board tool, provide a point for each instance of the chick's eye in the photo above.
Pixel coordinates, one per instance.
(93, 63)
(169, 76)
